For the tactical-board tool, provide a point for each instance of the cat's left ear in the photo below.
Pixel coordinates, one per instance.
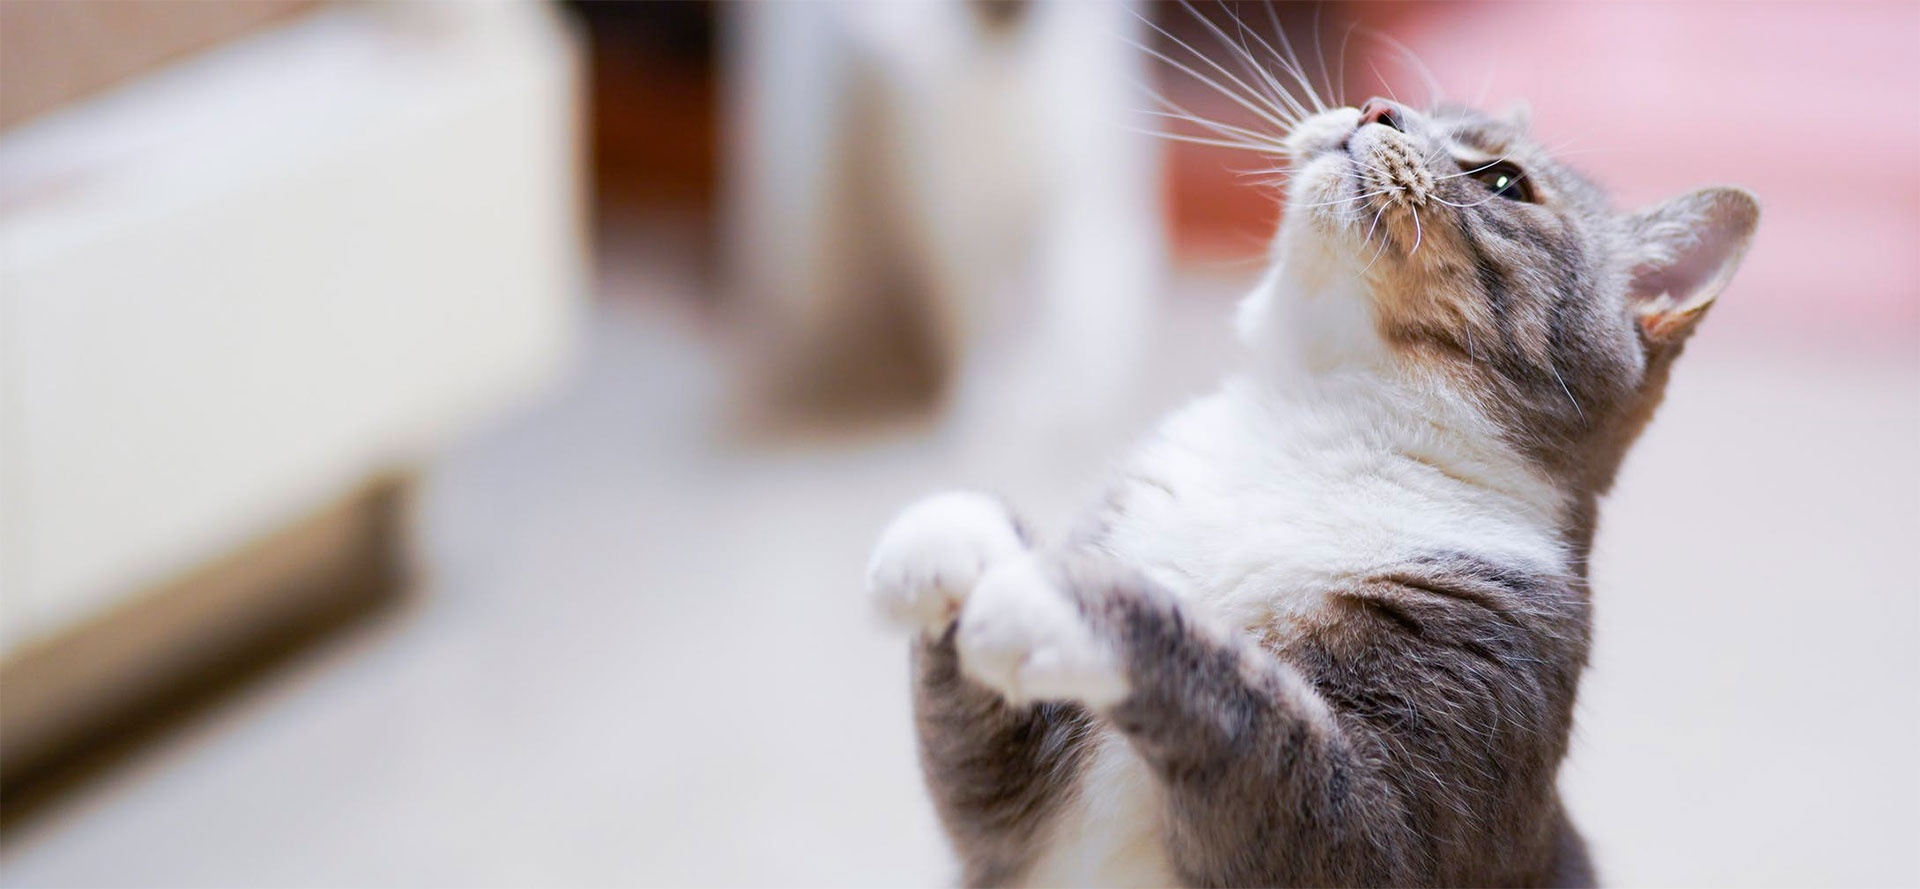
(1689, 248)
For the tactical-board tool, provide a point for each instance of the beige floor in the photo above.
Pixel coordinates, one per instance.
(643, 657)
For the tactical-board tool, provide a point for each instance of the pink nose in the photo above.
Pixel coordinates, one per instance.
(1381, 111)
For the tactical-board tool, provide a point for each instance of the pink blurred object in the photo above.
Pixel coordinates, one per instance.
(1811, 106)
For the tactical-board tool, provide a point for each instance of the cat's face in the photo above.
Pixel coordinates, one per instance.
(1506, 273)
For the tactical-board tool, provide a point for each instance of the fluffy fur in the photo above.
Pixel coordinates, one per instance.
(1328, 626)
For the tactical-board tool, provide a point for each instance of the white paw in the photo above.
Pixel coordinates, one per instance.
(1022, 637)
(930, 557)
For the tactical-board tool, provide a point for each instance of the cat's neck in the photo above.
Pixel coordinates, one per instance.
(1310, 319)
(1315, 361)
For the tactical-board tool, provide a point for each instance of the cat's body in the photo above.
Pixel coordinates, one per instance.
(1254, 510)
(1328, 626)
(1309, 518)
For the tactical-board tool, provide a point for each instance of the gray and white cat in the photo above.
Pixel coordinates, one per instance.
(1328, 626)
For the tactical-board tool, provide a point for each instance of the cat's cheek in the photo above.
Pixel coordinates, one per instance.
(1023, 637)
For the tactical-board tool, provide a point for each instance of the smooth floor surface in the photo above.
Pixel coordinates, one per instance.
(641, 656)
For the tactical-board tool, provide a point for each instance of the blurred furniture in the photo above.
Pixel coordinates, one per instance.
(238, 294)
(54, 53)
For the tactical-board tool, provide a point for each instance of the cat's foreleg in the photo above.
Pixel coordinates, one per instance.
(1262, 785)
(996, 768)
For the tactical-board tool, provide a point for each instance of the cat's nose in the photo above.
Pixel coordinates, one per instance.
(1381, 111)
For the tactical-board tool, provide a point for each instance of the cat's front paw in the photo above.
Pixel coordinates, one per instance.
(1025, 638)
(931, 556)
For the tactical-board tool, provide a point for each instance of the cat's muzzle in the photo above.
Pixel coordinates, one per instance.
(1390, 165)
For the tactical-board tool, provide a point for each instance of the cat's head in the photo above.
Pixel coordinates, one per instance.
(1490, 266)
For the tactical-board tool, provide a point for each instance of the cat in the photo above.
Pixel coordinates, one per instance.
(1328, 625)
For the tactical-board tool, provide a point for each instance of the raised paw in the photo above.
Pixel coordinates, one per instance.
(929, 559)
(1024, 638)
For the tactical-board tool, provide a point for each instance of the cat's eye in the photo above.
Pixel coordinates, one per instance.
(1505, 180)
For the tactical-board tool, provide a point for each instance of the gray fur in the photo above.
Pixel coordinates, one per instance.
(1410, 736)
(1406, 731)
(997, 771)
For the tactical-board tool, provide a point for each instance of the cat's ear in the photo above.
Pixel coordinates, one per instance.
(1519, 114)
(1689, 248)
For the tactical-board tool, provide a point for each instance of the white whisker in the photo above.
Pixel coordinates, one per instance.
(1270, 115)
(1486, 83)
(1382, 249)
(1291, 69)
(1176, 112)
(1340, 92)
(1376, 224)
(1434, 92)
(1383, 82)
(1495, 162)
(1299, 73)
(1320, 54)
(1275, 88)
(1201, 140)
(1351, 200)
(1465, 206)
(1563, 387)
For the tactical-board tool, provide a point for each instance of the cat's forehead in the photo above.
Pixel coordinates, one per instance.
(1478, 130)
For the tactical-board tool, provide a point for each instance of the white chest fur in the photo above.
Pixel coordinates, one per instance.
(1248, 505)
(1109, 835)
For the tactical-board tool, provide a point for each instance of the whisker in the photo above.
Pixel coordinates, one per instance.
(1492, 163)
(1434, 92)
(1276, 90)
(1202, 140)
(1563, 387)
(1465, 206)
(1272, 116)
(1382, 250)
(1298, 72)
(1486, 83)
(1354, 199)
(1376, 224)
(1372, 167)
(1176, 112)
(1383, 82)
(1340, 92)
(1290, 67)
(1281, 174)
(1319, 54)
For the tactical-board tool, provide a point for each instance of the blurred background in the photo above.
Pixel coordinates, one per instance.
(439, 443)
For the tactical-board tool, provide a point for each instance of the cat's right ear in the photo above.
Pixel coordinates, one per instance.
(1689, 247)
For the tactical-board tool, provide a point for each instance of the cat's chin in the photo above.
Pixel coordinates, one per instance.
(1324, 191)
(1325, 223)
